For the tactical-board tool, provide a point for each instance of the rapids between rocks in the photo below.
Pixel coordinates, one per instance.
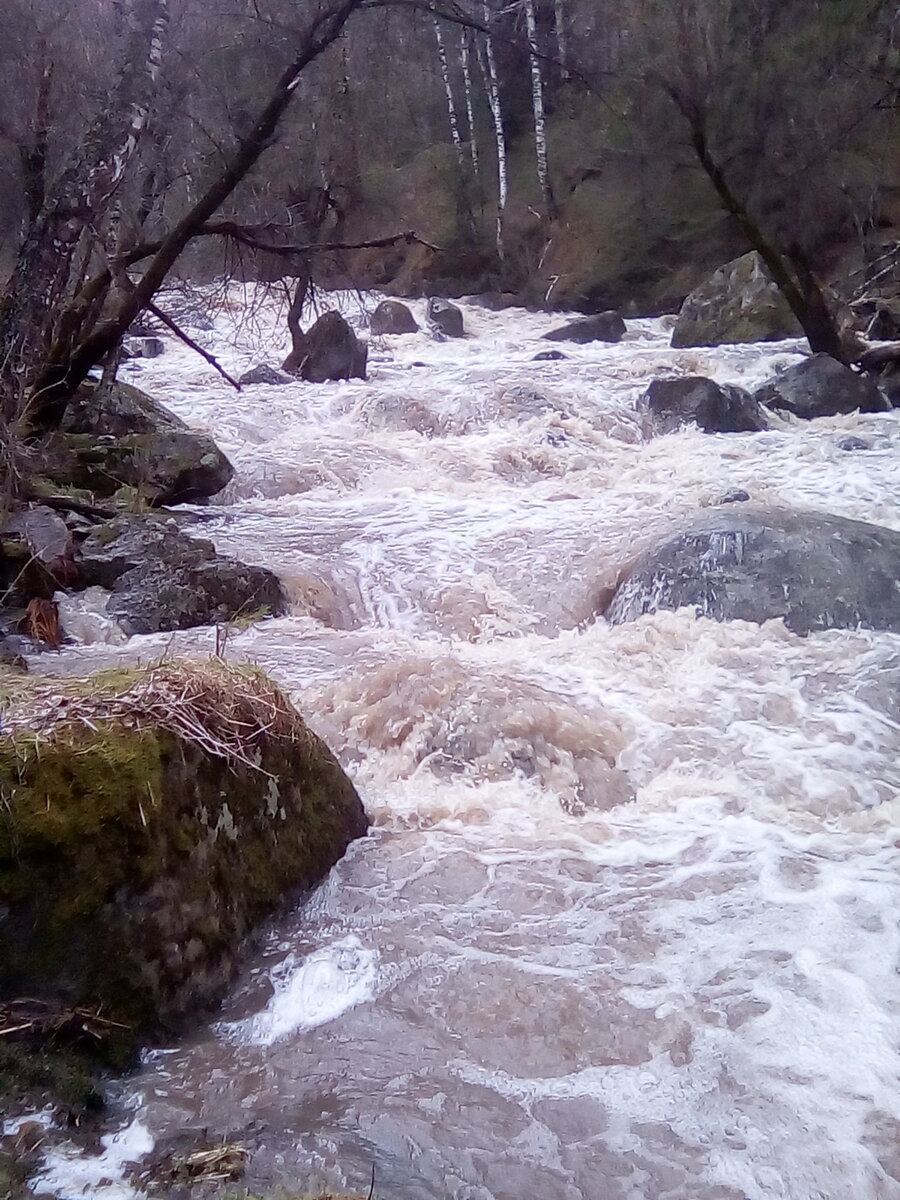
(627, 925)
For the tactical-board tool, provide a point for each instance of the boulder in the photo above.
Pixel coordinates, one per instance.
(821, 386)
(329, 350)
(444, 320)
(391, 316)
(715, 407)
(548, 356)
(143, 347)
(264, 375)
(601, 327)
(118, 436)
(749, 562)
(169, 467)
(161, 579)
(738, 303)
(152, 817)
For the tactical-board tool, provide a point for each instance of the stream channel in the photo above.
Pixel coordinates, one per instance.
(626, 924)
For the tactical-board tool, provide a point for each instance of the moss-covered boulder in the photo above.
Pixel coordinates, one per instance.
(148, 820)
(117, 436)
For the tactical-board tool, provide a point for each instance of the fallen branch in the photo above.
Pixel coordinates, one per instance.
(189, 341)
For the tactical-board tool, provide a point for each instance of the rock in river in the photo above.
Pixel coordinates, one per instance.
(161, 579)
(821, 387)
(738, 303)
(601, 327)
(118, 436)
(752, 563)
(715, 407)
(151, 818)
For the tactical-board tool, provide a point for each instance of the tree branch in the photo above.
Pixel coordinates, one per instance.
(189, 341)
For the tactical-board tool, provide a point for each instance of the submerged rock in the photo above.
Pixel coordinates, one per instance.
(151, 819)
(715, 407)
(392, 316)
(329, 350)
(751, 563)
(738, 303)
(162, 580)
(602, 327)
(821, 386)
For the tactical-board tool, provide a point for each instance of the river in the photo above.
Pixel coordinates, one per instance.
(626, 925)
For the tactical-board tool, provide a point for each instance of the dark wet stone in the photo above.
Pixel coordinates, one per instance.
(821, 386)
(263, 375)
(714, 407)
(444, 320)
(738, 496)
(754, 563)
(392, 316)
(601, 327)
(549, 356)
(853, 443)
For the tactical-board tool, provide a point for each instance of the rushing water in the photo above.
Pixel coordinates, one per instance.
(626, 926)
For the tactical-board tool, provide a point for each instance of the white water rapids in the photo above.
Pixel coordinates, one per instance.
(626, 926)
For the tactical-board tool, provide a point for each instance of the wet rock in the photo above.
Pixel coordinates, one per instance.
(143, 347)
(47, 538)
(754, 563)
(264, 375)
(549, 356)
(738, 496)
(738, 303)
(716, 408)
(853, 443)
(821, 386)
(444, 320)
(161, 579)
(114, 437)
(330, 350)
(392, 316)
(169, 467)
(601, 327)
(156, 819)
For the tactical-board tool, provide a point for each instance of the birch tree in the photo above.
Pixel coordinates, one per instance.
(537, 105)
(492, 85)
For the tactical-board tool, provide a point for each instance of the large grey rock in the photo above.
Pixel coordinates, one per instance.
(329, 350)
(161, 579)
(391, 316)
(716, 408)
(602, 327)
(444, 320)
(752, 563)
(821, 386)
(738, 303)
(120, 437)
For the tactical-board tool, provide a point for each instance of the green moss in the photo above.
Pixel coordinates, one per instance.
(133, 861)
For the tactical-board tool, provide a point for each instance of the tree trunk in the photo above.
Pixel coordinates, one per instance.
(82, 336)
(789, 269)
(470, 110)
(537, 105)
(44, 274)
(492, 85)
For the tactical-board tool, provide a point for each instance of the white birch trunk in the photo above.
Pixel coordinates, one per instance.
(559, 15)
(451, 102)
(537, 104)
(470, 111)
(492, 83)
